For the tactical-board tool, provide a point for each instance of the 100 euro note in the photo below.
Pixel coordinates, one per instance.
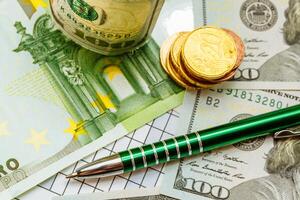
(270, 31)
(105, 97)
(258, 169)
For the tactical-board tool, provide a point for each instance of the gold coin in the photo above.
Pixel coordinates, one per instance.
(239, 45)
(177, 77)
(209, 53)
(198, 82)
(176, 48)
(165, 49)
(180, 70)
(167, 63)
(227, 77)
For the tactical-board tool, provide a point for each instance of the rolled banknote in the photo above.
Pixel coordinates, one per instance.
(270, 30)
(258, 169)
(108, 27)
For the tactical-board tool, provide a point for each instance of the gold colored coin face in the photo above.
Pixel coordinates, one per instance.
(177, 67)
(177, 77)
(167, 64)
(165, 49)
(239, 45)
(197, 82)
(177, 47)
(209, 53)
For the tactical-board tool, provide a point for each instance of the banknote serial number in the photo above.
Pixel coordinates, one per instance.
(249, 96)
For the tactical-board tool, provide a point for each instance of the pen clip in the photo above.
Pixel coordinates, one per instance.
(286, 134)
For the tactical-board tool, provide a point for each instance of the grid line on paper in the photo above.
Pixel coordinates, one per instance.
(158, 129)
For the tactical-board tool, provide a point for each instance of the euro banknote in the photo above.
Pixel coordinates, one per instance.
(61, 102)
(270, 31)
(258, 169)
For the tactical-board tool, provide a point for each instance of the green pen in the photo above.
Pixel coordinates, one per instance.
(191, 144)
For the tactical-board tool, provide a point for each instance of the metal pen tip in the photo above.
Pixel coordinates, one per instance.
(73, 175)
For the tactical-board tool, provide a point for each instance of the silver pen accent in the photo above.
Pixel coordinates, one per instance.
(200, 142)
(188, 145)
(132, 160)
(155, 154)
(108, 166)
(177, 148)
(144, 157)
(166, 151)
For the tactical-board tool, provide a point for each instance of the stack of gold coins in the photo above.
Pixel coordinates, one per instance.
(202, 58)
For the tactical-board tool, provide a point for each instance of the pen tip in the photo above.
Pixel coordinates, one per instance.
(73, 175)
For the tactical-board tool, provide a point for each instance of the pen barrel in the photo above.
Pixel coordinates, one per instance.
(209, 139)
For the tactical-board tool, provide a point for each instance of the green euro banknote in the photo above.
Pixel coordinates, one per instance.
(61, 102)
(270, 31)
(258, 169)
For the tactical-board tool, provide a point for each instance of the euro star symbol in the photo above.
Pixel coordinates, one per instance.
(35, 3)
(74, 129)
(37, 139)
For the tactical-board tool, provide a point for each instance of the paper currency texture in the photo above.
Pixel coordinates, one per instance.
(108, 27)
(131, 194)
(270, 31)
(258, 169)
(70, 101)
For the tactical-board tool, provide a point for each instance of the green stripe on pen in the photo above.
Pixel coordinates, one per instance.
(196, 144)
(171, 145)
(161, 152)
(150, 157)
(137, 158)
(126, 160)
(183, 147)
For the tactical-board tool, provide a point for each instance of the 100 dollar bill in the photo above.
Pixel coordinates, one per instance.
(71, 101)
(259, 169)
(270, 34)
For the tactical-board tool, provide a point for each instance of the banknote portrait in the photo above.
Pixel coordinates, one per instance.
(285, 66)
(283, 182)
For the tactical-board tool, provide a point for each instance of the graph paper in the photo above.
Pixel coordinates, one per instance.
(159, 129)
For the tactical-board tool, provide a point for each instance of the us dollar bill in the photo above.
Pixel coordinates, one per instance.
(132, 194)
(258, 169)
(270, 31)
(109, 27)
(61, 102)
